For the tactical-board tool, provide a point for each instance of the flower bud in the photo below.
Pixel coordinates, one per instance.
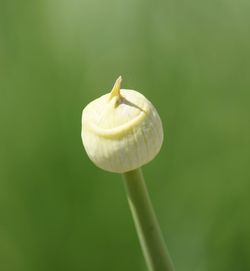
(121, 130)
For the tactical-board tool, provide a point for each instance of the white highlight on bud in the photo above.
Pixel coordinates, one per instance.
(121, 130)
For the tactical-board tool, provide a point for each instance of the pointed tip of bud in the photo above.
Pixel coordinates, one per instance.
(116, 88)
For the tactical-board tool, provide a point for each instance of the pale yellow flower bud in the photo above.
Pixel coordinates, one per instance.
(121, 131)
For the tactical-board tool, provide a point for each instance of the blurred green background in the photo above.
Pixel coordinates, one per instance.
(192, 60)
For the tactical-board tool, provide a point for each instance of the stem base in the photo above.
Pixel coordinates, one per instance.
(147, 226)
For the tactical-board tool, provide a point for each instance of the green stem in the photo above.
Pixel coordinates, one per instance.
(148, 230)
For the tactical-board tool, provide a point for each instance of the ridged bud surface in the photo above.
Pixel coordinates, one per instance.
(121, 131)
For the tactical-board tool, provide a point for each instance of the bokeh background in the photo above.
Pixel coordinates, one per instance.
(58, 212)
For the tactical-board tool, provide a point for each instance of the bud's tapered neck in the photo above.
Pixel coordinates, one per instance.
(115, 92)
